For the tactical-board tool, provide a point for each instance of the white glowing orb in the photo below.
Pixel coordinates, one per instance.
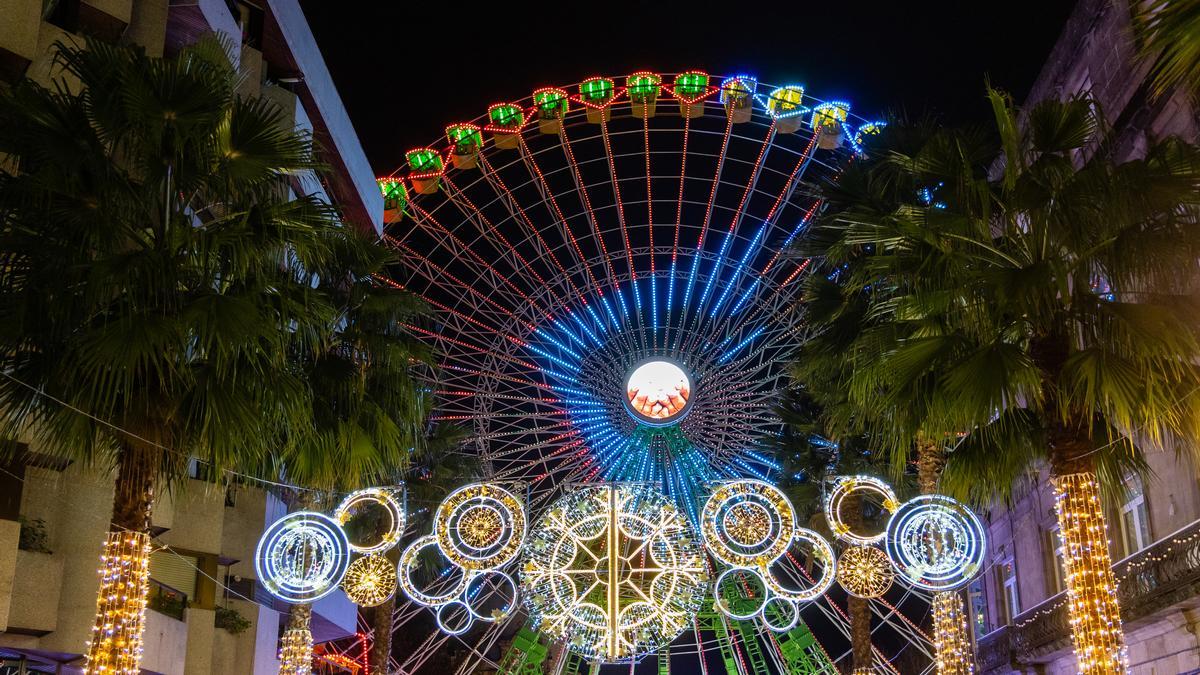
(658, 392)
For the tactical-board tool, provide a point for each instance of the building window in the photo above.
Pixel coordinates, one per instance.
(1011, 599)
(1135, 517)
(1054, 561)
(978, 607)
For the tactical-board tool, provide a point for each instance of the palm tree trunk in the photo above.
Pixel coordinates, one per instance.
(1096, 629)
(296, 649)
(381, 647)
(1095, 616)
(858, 608)
(952, 644)
(116, 642)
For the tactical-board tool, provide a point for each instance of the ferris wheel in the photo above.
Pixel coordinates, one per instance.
(608, 271)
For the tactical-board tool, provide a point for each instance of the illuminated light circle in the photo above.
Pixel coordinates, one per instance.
(780, 614)
(658, 392)
(480, 526)
(616, 571)
(385, 499)
(864, 571)
(483, 589)
(740, 593)
(455, 617)
(787, 570)
(302, 557)
(409, 563)
(846, 486)
(936, 543)
(370, 581)
(747, 523)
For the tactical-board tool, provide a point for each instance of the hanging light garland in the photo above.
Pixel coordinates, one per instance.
(952, 644)
(116, 642)
(1091, 586)
(296, 652)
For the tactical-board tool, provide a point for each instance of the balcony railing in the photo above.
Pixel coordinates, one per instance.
(1157, 577)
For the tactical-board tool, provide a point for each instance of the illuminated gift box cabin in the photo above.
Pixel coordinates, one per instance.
(504, 124)
(866, 130)
(737, 95)
(691, 88)
(643, 89)
(785, 105)
(597, 94)
(551, 104)
(395, 198)
(829, 123)
(425, 167)
(466, 141)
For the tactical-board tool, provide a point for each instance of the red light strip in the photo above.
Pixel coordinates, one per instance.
(496, 180)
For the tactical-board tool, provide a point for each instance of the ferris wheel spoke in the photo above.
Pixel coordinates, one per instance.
(488, 230)
(624, 227)
(715, 273)
(700, 240)
(518, 214)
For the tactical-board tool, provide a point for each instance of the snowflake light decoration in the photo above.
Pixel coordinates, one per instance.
(864, 571)
(370, 581)
(615, 570)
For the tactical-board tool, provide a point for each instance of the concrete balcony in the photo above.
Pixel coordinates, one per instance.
(1152, 583)
(19, 24)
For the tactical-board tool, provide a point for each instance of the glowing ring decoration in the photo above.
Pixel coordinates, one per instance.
(302, 557)
(846, 486)
(864, 572)
(370, 581)
(391, 505)
(787, 609)
(747, 523)
(721, 603)
(455, 605)
(936, 543)
(473, 589)
(404, 570)
(658, 392)
(480, 527)
(823, 552)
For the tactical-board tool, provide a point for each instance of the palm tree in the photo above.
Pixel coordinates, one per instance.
(808, 458)
(368, 408)
(155, 282)
(1168, 32)
(1042, 313)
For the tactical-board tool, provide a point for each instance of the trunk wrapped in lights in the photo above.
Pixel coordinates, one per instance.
(1091, 587)
(296, 646)
(950, 639)
(116, 643)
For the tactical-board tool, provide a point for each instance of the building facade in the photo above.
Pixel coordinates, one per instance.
(208, 614)
(1019, 606)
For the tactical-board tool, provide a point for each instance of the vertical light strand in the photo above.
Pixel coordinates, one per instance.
(1095, 616)
(950, 638)
(116, 643)
(296, 652)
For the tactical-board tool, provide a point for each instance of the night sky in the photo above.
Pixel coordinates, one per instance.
(406, 70)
